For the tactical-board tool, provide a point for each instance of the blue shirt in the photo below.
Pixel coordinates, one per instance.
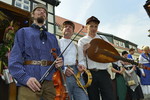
(28, 46)
(130, 56)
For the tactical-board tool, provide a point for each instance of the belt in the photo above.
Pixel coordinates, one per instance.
(35, 62)
(95, 70)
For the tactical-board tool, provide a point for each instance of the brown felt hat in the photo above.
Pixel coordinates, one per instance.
(39, 6)
(68, 23)
(92, 18)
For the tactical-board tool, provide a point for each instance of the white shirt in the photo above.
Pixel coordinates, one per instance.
(82, 59)
(142, 60)
(71, 52)
(118, 63)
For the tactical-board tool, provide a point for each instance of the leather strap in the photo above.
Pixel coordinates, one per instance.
(35, 62)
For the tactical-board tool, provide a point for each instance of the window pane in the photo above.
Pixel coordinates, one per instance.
(50, 18)
(18, 4)
(50, 8)
(26, 1)
(51, 28)
(26, 7)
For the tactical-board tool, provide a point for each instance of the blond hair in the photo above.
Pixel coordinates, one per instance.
(145, 47)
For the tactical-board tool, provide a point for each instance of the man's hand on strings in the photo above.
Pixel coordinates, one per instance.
(69, 71)
(59, 62)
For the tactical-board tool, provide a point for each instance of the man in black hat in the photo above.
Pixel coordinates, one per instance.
(31, 56)
(101, 82)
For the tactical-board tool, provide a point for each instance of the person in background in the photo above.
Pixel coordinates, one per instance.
(130, 56)
(133, 87)
(31, 56)
(101, 82)
(70, 62)
(119, 86)
(144, 59)
(131, 53)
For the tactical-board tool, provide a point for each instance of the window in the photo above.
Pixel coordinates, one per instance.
(116, 42)
(23, 4)
(119, 43)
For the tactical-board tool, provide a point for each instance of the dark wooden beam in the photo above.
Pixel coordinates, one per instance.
(52, 2)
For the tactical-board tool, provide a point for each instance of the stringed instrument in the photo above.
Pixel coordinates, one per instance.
(103, 52)
(59, 82)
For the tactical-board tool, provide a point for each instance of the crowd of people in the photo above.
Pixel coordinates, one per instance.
(131, 82)
(31, 56)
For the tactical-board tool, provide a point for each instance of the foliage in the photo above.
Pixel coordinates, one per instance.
(7, 44)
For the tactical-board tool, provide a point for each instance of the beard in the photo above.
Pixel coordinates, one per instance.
(40, 20)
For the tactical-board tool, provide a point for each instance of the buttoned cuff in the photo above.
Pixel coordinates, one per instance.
(23, 80)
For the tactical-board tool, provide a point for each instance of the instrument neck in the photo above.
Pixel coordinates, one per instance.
(63, 79)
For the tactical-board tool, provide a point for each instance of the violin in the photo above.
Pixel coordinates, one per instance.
(59, 82)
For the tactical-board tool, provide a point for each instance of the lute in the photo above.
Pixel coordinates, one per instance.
(103, 52)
